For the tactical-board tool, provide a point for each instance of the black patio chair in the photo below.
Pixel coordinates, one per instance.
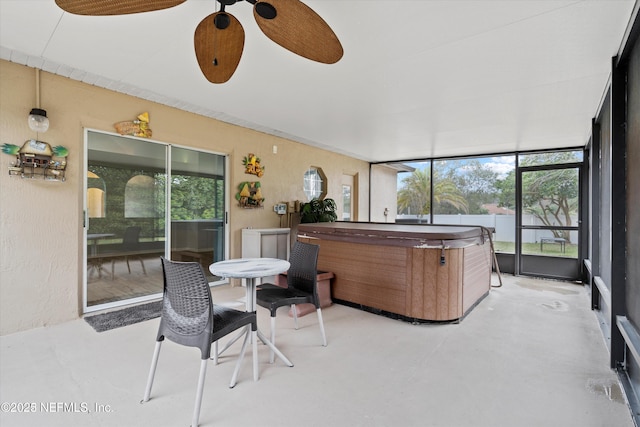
(302, 287)
(190, 318)
(130, 248)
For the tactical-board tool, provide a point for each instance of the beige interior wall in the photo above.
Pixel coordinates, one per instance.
(385, 197)
(41, 234)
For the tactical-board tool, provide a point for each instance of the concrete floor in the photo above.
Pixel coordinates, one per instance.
(530, 354)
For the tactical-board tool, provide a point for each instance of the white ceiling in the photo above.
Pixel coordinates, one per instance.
(418, 78)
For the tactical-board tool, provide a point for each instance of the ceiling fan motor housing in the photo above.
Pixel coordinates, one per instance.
(221, 21)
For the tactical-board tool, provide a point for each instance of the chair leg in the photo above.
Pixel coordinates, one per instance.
(152, 372)
(144, 270)
(230, 343)
(196, 410)
(234, 378)
(272, 355)
(126, 258)
(321, 323)
(254, 343)
(215, 353)
(295, 315)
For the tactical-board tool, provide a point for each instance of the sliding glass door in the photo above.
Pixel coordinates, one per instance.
(197, 207)
(143, 200)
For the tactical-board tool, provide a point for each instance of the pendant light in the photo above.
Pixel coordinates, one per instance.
(38, 121)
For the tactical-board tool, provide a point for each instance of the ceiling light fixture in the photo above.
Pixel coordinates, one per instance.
(38, 120)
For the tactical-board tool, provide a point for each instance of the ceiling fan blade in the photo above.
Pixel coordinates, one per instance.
(114, 7)
(219, 41)
(296, 27)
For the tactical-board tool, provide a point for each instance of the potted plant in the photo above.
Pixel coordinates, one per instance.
(318, 210)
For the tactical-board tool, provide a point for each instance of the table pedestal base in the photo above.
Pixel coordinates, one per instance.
(256, 371)
(250, 269)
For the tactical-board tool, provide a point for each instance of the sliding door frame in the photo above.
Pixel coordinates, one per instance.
(167, 243)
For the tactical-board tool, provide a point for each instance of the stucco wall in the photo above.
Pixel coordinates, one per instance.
(384, 181)
(41, 222)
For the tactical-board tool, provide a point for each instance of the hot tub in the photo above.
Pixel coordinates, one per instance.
(414, 272)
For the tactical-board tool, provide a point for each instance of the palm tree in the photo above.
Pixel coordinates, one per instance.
(414, 196)
(445, 192)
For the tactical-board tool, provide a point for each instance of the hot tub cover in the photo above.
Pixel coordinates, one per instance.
(448, 236)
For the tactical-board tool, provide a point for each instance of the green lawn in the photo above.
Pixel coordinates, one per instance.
(549, 249)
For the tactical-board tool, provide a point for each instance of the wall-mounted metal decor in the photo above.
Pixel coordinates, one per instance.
(37, 159)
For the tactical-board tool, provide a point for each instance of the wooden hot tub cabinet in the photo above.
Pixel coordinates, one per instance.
(420, 272)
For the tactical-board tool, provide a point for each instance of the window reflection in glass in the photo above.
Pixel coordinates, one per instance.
(127, 238)
(140, 197)
(96, 192)
(197, 207)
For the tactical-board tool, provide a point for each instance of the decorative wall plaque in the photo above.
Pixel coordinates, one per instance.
(249, 195)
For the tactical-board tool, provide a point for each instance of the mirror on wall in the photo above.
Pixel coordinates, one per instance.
(315, 183)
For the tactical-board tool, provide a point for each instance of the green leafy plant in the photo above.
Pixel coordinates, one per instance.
(318, 211)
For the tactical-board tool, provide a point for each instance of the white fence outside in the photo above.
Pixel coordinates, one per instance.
(504, 225)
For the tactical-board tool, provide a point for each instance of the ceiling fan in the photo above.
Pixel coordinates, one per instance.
(219, 38)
